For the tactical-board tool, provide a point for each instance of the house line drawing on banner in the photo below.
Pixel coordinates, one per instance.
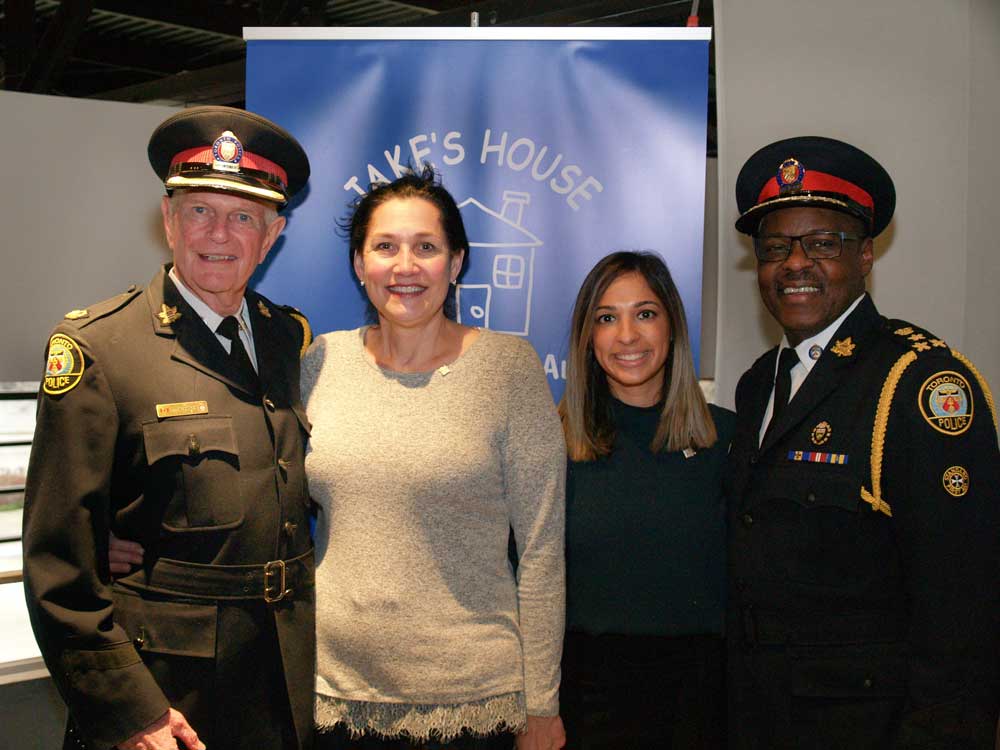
(495, 291)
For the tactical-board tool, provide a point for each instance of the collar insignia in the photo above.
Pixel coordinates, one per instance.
(262, 308)
(167, 315)
(815, 352)
(844, 347)
(227, 152)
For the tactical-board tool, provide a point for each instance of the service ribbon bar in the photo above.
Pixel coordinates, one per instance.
(818, 458)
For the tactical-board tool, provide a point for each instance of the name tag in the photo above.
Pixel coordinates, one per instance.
(182, 409)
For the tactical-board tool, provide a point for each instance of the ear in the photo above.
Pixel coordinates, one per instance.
(271, 235)
(867, 255)
(359, 265)
(456, 264)
(168, 228)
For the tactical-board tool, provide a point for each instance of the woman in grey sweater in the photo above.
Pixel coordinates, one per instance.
(430, 441)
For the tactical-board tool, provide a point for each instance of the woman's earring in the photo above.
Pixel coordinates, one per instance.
(362, 282)
(454, 282)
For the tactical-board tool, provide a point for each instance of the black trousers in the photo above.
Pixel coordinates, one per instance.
(639, 692)
(340, 739)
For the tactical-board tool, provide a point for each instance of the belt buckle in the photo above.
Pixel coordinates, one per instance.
(272, 569)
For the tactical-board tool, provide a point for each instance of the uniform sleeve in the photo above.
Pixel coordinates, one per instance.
(942, 480)
(110, 693)
(534, 468)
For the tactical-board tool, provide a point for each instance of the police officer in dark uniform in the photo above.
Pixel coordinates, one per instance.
(171, 415)
(865, 488)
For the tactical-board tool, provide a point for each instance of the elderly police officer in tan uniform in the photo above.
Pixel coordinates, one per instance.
(171, 415)
(865, 488)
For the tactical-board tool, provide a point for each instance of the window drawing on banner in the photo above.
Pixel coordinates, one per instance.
(495, 291)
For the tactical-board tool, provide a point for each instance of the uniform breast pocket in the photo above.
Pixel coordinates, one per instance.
(821, 527)
(195, 473)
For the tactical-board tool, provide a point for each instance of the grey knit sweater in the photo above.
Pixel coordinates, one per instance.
(421, 626)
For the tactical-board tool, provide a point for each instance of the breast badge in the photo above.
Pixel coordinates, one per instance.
(945, 402)
(956, 481)
(821, 433)
(63, 365)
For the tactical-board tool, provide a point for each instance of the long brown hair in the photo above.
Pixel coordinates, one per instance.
(685, 421)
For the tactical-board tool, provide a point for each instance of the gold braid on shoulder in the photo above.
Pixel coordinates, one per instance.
(307, 335)
(874, 498)
(982, 384)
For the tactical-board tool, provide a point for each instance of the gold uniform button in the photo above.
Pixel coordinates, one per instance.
(268, 403)
(283, 464)
(291, 528)
(194, 445)
(811, 497)
(747, 520)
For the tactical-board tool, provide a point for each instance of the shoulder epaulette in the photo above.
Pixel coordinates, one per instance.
(303, 321)
(83, 318)
(913, 337)
(917, 342)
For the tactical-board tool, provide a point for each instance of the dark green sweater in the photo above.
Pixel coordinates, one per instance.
(645, 537)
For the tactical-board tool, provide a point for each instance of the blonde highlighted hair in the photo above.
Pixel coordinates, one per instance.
(585, 409)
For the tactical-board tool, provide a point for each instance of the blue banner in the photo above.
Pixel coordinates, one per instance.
(558, 152)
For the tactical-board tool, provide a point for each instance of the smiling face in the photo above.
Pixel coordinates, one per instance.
(218, 240)
(805, 296)
(631, 340)
(405, 262)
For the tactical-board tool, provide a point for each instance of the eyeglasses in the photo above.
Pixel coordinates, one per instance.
(816, 246)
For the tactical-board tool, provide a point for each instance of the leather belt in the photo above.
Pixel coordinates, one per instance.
(826, 629)
(274, 581)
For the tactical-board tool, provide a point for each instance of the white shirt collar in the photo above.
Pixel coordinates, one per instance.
(206, 313)
(821, 339)
(805, 364)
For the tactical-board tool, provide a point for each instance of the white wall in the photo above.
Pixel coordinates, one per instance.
(79, 207)
(912, 82)
(981, 335)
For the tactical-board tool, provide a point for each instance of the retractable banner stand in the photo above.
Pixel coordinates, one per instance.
(559, 145)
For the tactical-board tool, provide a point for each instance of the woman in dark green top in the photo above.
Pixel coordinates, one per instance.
(643, 660)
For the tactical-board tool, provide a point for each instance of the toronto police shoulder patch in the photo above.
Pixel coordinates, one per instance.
(945, 402)
(63, 365)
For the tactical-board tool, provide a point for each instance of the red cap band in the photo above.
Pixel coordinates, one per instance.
(824, 183)
(203, 155)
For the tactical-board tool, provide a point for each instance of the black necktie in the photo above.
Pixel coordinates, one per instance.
(238, 356)
(783, 382)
